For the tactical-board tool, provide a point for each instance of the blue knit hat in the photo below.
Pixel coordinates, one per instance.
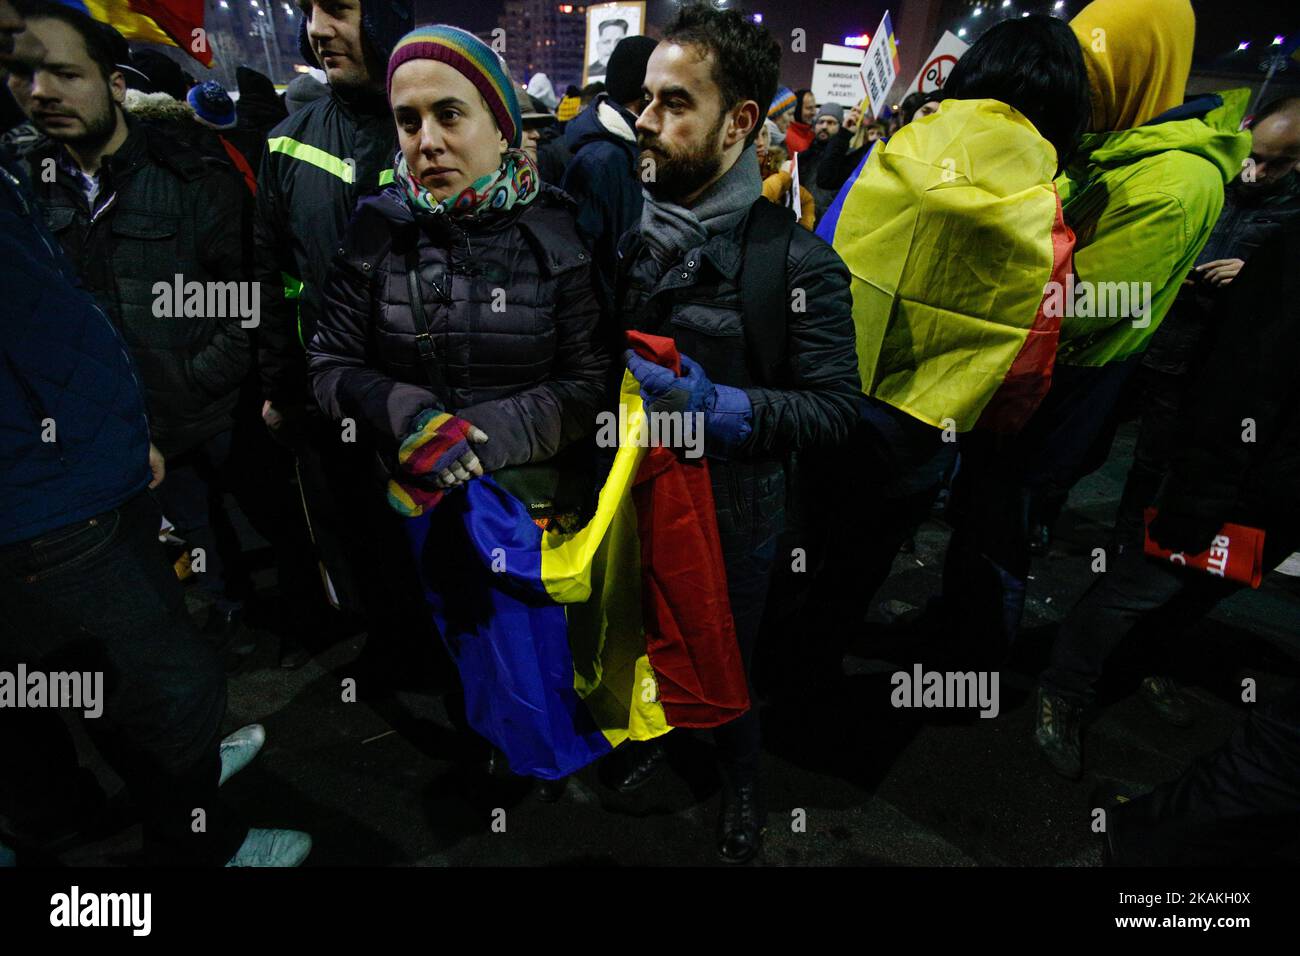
(212, 105)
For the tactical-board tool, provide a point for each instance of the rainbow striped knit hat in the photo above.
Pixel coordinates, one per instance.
(474, 60)
(784, 100)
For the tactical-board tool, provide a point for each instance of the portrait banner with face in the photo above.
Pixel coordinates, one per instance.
(607, 24)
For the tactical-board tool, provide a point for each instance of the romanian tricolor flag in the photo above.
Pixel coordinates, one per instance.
(952, 231)
(171, 22)
(569, 644)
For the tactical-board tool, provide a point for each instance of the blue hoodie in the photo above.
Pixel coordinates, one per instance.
(74, 440)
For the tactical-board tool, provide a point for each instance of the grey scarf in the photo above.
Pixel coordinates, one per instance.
(670, 231)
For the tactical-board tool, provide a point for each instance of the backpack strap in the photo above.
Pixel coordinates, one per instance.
(764, 297)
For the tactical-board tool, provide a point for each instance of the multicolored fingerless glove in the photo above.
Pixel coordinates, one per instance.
(437, 440)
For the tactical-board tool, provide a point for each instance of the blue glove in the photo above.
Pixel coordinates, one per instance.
(728, 414)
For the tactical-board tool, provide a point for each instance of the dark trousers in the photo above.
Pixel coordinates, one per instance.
(1159, 437)
(1240, 805)
(1162, 597)
(749, 573)
(854, 507)
(1069, 434)
(191, 498)
(363, 545)
(101, 596)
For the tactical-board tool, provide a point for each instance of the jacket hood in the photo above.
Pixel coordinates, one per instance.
(383, 23)
(1208, 127)
(601, 120)
(158, 107)
(1138, 54)
(259, 104)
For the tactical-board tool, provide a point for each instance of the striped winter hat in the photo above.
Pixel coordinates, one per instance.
(781, 103)
(474, 60)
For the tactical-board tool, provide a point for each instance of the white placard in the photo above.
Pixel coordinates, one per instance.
(836, 83)
(835, 53)
(880, 67)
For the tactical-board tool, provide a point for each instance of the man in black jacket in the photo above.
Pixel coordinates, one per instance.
(1256, 206)
(1238, 460)
(708, 83)
(156, 233)
(318, 163)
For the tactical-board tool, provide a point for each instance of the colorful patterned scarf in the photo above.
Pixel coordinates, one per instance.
(516, 182)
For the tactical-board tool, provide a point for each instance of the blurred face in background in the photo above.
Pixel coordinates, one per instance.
(807, 109)
(1274, 151)
(334, 32)
(69, 98)
(931, 107)
(532, 138)
(762, 143)
(448, 135)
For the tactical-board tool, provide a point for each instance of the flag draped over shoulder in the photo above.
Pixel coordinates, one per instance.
(569, 644)
(951, 232)
(171, 22)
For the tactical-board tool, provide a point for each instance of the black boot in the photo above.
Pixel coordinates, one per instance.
(639, 763)
(550, 791)
(1056, 731)
(742, 821)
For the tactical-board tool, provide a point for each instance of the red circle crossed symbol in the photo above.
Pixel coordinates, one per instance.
(935, 72)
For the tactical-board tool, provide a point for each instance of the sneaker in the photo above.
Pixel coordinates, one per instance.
(741, 824)
(239, 749)
(272, 848)
(1166, 698)
(1056, 732)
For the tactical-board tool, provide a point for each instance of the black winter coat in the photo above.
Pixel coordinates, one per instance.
(1248, 385)
(697, 302)
(173, 213)
(513, 319)
(318, 163)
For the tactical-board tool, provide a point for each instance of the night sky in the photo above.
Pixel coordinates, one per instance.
(1221, 24)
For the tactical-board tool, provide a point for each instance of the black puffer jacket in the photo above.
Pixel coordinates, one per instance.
(513, 320)
(173, 213)
(697, 302)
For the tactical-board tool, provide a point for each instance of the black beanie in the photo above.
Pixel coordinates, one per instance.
(625, 72)
(383, 23)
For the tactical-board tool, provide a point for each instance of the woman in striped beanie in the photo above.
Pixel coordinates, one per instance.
(459, 325)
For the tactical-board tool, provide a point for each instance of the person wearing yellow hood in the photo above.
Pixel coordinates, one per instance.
(1142, 194)
(950, 231)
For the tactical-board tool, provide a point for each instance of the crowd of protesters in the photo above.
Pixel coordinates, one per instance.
(445, 269)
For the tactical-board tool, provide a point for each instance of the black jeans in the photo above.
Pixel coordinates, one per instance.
(1136, 589)
(101, 596)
